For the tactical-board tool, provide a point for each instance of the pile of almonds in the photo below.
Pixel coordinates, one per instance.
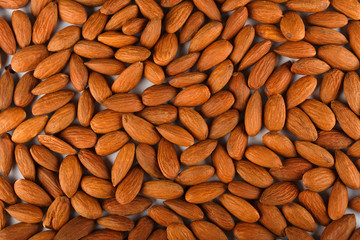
(215, 83)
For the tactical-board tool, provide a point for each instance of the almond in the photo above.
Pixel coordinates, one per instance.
(209, 8)
(22, 28)
(51, 102)
(185, 209)
(261, 71)
(319, 179)
(354, 150)
(78, 73)
(52, 64)
(165, 49)
(314, 153)
(300, 90)
(218, 104)
(146, 157)
(94, 163)
(63, 39)
(112, 6)
(97, 187)
(57, 214)
(94, 25)
(22, 94)
(134, 26)
(13, 4)
(151, 33)
(45, 23)
(240, 208)
(262, 156)
(333, 139)
(154, 73)
(7, 191)
(106, 121)
(270, 32)
(310, 66)
(253, 174)
(158, 94)
(322, 36)
(351, 87)
(182, 63)
(175, 134)
(61, 119)
(293, 169)
(341, 228)
(25, 162)
(330, 85)
(298, 49)
(265, 12)
(132, 54)
(207, 230)
(177, 16)
(235, 22)
(191, 26)
(56, 144)
(138, 205)
(299, 216)
(142, 230)
(167, 159)
(70, 175)
(217, 214)
(224, 123)
(92, 49)
(162, 189)
(299, 124)
(79, 137)
(20, 231)
(130, 186)
(244, 190)
(204, 192)
(198, 152)
(347, 119)
(7, 90)
(82, 227)
(194, 122)
(214, 54)
(52, 84)
(275, 113)
(319, 113)
(239, 88)
(8, 44)
(116, 39)
(314, 203)
(122, 164)
(330, 19)
(6, 153)
(279, 80)
(338, 200)
(242, 43)
(237, 142)
(120, 17)
(292, 26)
(86, 108)
(99, 88)
(106, 66)
(25, 212)
(346, 170)
(243, 231)
(11, 118)
(161, 114)
(353, 32)
(280, 144)
(272, 218)
(124, 102)
(150, 9)
(257, 51)
(349, 8)
(230, 5)
(192, 96)
(85, 205)
(338, 57)
(72, 12)
(279, 193)
(29, 129)
(50, 181)
(32, 193)
(223, 164)
(178, 231)
(308, 6)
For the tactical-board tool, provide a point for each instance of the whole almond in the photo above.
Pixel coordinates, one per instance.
(20, 231)
(261, 71)
(132, 54)
(52, 64)
(330, 85)
(320, 114)
(6, 153)
(86, 205)
(150, 9)
(244, 190)
(116, 39)
(185, 209)
(111, 142)
(164, 216)
(347, 119)
(142, 230)
(25, 212)
(130, 186)
(50, 181)
(314, 203)
(235, 22)
(272, 218)
(22, 28)
(257, 51)
(230, 5)
(146, 157)
(44, 157)
(52, 84)
(275, 113)
(198, 152)
(330, 19)
(72, 12)
(122, 163)
(319, 179)
(237, 142)
(217, 129)
(175, 134)
(11, 118)
(22, 94)
(161, 114)
(194, 123)
(92, 49)
(254, 174)
(346, 170)
(177, 16)
(270, 32)
(299, 124)
(45, 23)
(265, 12)
(354, 150)
(165, 49)
(192, 96)
(167, 159)
(292, 26)
(7, 90)
(214, 54)
(204, 192)
(70, 175)
(242, 43)
(340, 229)
(333, 139)
(310, 66)
(78, 73)
(338, 57)
(224, 166)
(106, 66)
(279, 193)
(28, 129)
(182, 63)
(61, 119)
(8, 44)
(279, 143)
(86, 108)
(209, 8)
(314, 153)
(298, 49)
(300, 90)
(99, 88)
(79, 137)
(25, 162)
(138, 205)
(299, 216)
(218, 104)
(243, 231)
(134, 26)
(82, 227)
(218, 215)
(207, 230)
(57, 214)
(151, 33)
(94, 163)
(239, 88)
(279, 80)
(321, 36)
(112, 6)
(51, 102)
(306, 6)
(240, 208)
(158, 94)
(191, 27)
(63, 39)
(55, 144)
(338, 200)
(349, 8)
(7, 191)
(106, 121)
(178, 231)
(262, 156)
(162, 189)
(293, 169)
(13, 4)
(32, 193)
(353, 32)
(351, 87)
(124, 102)
(94, 25)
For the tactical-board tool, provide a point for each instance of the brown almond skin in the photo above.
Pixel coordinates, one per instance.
(185, 209)
(86, 205)
(142, 230)
(272, 218)
(79, 137)
(116, 39)
(94, 163)
(94, 25)
(347, 119)
(300, 90)
(8, 44)
(353, 32)
(314, 153)
(322, 36)
(194, 123)
(279, 143)
(25, 162)
(340, 229)
(70, 175)
(240, 208)
(122, 164)
(51, 102)
(6, 153)
(279, 80)
(134, 26)
(346, 170)
(132, 54)
(338, 200)
(220, 76)
(175, 134)
(193, 95)
(351, 87)
(22, 94)
(111, 142)
(32, 193)
(111, 7)
(237, 142)
(13, 4)
(98, 87)
(298, 49)
(7, 90)
(314, 203)
(178, 231)
(209, 8)
(82, 227)
(354, 204)
(255, 53)
(146, 157)
(261, 71)
(279, 193)
(106, 121)
(333, 139)
(72, 12)
(218, 126)
(104, 233)
(218, 215)
(162, 189)
(22, 28)
(164, 216)
(154, 73)
(306, 6)
(191, 27)
(20, 231)
(221, 49)
(253, 174)
(235, 22)
(167, 159)
(292, 26)
(207, 230)
(265, 12)
(320, 114)
(138, 205)
(151, 33)
(330, 19)
(349, 8)
(50, 181)
(275, 113)
(86, 108)
(224, 166)
(61, 119)
(120, 17)
(147, 134)
(52, 64)
(63, 39)
(299, 216)
(218, 104)
(177, 16)
(253, 114)
(123, 102)
(79, 74)
(117, 223)
(244, 190)
(342, 58)
(319, 179)
(239, 88)
(229, 5)
(198, 152)
(310, 66)
(106, 66)
(242, 43)
(52, 84)
(161, 114)
(262, 156)
(271, 32)
(165, 49)
(204, 192)
(330, 85)
(182, 63)
(28, 129)
(11, 118)
(158, 94)
(7, 191)
(58, 213)
(92, 49)
(45, 23)
(158, 234)
(44, 235)
(97, 187)
(293, 169)
(354, 150)
(293, 233)
(299, 124)
(244, 230)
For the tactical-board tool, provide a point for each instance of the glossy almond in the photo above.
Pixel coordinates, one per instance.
(262, 156)
(204, 192)
(45, 23)
(25, 162)
(330, 85)
(218, 104)
(29, 129)
(346, 170)
(11, 118)
(333, 139)
(164, 113)
(167, 159)
(55, 144)
(61, 119)
(265, 12)
(298, 49)
(165, 49)
(124, 102)
(70, 175)
(192, 26)
(253, 174)
(51, 102)
(8, 44)
(162, 189)
(6, 153)
(120, 17)
(270, 32)
(299, 124)
(330, 19)
(314, 203)
(319, 179)
(255, 53)
(193, 95)
(279, 143)
(140, 130)
(7, 90)
(347, 119)
(310, 66)
(106, 66)
(351, 87)
(209, 8)
(22, 94)
(138, 205)
(279, 193)
(32, 193)
(243, 231)
(63, 39)
(349, 8)
(299, 216)
(272, 218)
(340, 229)
(52, 84)
(214, 54)
(22, 28)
